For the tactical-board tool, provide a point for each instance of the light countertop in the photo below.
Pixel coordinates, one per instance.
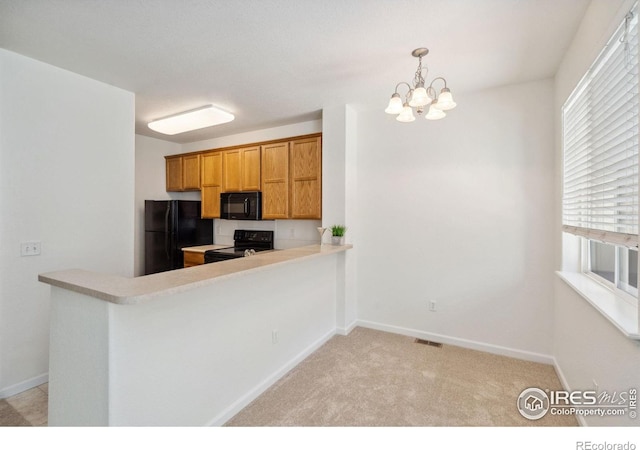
(129, 291)
(204, 248)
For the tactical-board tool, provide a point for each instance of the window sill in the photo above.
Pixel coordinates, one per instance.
(618, 311)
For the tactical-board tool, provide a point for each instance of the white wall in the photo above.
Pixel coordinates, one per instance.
(340, 202)
(587, 346)
(457, 211)
(66, 179)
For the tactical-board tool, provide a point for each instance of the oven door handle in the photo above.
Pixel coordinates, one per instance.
(247, 208)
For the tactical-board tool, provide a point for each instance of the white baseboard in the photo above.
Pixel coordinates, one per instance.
(24, 386)
(348, 329)
(465, 343)
(561, 377)
(254, 393)
(565, 385)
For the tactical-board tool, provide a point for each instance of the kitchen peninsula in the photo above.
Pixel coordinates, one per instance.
(187, 347)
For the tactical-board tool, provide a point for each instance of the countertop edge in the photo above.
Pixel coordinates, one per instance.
(130, 291)
(204, 248)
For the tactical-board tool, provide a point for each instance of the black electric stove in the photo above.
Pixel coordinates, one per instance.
(245, 243)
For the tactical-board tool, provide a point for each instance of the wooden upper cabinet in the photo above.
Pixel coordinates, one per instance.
(191, 172)
(275, 181)
(305, 160)
(174, 173)
(232, 171)
(251, 168)
(183, 172)
(241, 169)
(211, 164)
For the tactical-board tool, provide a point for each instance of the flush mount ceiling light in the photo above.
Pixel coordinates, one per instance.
(194, 119)
(419, 97)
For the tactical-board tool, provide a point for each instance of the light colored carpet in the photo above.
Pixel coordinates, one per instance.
(373, 378)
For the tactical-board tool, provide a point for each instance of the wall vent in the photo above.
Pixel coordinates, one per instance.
(430, 343)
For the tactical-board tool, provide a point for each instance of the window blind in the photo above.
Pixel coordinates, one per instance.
(600, 143)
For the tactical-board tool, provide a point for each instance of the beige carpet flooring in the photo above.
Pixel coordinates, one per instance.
(373, 378)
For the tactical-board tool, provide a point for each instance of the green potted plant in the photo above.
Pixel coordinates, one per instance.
(337, 234)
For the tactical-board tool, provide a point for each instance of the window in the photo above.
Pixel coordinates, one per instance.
(614, 265)
(600, 151)
(602, 260)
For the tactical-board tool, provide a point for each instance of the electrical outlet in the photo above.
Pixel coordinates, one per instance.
(31, 248)
(432, 305)
(274, 337)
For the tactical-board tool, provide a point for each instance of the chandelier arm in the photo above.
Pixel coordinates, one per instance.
(409, 92)
(401, 83)
(438, 78)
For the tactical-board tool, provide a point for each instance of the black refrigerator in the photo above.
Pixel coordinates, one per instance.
(169, 226)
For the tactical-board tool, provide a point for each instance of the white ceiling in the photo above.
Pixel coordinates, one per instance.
(273, 62)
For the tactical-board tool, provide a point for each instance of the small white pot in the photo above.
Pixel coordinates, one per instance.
(337, 240)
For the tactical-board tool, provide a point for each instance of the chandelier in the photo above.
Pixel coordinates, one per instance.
(420, 97)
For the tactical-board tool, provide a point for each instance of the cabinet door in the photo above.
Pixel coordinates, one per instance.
(193, 258)
(306, 178)
(232, 171)
(211, 184)
(275, 181)
(191, 172)
(174, 173)
(250, 158)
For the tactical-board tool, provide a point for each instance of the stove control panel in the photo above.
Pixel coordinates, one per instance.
(244, 237)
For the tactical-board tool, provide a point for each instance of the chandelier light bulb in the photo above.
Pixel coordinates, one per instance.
(406, 115)
(435, 113)
(445, 100)
(395, 104)
(419, 97)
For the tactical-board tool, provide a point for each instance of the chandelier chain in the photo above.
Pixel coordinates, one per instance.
(418, 79)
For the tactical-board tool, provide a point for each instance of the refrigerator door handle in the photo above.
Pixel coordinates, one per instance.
(167, 235)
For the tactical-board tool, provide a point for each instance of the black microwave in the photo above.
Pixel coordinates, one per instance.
(241, 205)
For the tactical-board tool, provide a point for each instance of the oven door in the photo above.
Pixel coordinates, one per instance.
(241, 205)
